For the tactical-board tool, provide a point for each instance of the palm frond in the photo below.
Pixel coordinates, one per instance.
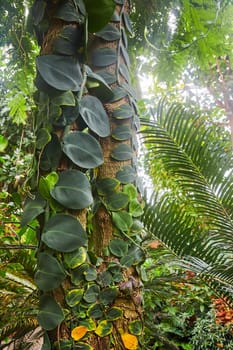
(193, 214)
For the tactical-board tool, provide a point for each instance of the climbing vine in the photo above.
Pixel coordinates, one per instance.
(88, 290)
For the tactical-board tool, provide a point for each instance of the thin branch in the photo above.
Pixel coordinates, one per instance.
(15, 246)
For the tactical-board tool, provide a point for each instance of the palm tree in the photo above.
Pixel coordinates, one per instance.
(192, 212)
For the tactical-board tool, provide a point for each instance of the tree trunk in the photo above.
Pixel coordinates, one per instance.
(86, 197)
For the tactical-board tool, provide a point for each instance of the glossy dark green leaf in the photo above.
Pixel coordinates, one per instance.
(46, 342)
(77, 275)
(127, 22)
(73, 190)
(42, 138)
(125, 56)
(32, 208)
(68, 42)
(65, 344)
(60, 72)
(50, 313)
(137, 253)
(65, 98)
(115, 17)
(94, 115)
(103, 57)
(122, 133)
(122, 220)
(105, 278)
(109, 33)
(74, 296)
(64, 233)
(69, 115)
(129, 89)
(83, 149)
(124, 111)
(108, 77)
(68, 12)
(127, 260)
(95, 311)
(50, 274)
(135, 327)
(38, 10)
(122, 152)
(118, 247)
(127, 174)
(96, 84)
(116, 201)
(92, 293)
(118, 94)
(90, 274)
(82, 346)
(51, 155)
(107, 185)
(114, 314)
(124, 72)
(108, 295)
(99, 14)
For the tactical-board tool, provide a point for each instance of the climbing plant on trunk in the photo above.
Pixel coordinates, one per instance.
(85, 195)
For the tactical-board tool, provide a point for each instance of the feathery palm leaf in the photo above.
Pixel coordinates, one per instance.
(193, 214)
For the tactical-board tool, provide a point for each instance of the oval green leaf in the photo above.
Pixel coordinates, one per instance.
(50, 313)
(116, 201)
(72, 190)
(104, 328)
(83, 149)
(64, 233)
(122, 152)
(95, 116)
(118, 247)
(33, 207)
(74, 296)
(50, 274)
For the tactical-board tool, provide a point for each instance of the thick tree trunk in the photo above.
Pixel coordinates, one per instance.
(98, 303)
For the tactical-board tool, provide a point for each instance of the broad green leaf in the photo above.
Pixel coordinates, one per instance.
(127, 174)
(103, 57)
(42, 138)
(91, 294)
(73, 190)
(50, 313)
(51, 154)
(136, 227)
(107, 186)
(105, 278)
(94, 115)
(135, 208)
(65, 344)
(127, 260)
(137, 253)
(122, 152)
(114, 314)
(122, 133)
(99, 14)
(116, 201)
(108, 295)
(131, 191)
(69, 41)
(135, 327)
(77, 275)
(95, 311)
(69, 12)
(74, 296)
(125, 111)
(75, 258)
(50, 274)
(104, 328)
(127, 22)
(118, 94)
(118, 247)
(90, 274)
(97, 85)
(83, 149)
(109, 33)
(122, 220)
(38, 10)
(124, 72)
(108, 77)
(32, 208)
(3, 143)
(60, 72)
(64, 233)
(65, 98)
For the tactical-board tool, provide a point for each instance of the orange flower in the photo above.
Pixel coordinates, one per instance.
(79, 332)
(130, 341)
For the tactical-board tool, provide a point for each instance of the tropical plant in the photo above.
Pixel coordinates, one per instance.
(192, 212)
